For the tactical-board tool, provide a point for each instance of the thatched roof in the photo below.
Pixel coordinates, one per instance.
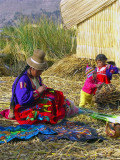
(74, 12)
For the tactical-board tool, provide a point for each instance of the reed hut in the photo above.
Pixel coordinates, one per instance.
(98, 27)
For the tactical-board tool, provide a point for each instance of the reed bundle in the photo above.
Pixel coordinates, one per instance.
(70, 67)
(107, 94)
(3, 70)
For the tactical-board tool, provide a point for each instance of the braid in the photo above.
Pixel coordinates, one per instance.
(12, 104)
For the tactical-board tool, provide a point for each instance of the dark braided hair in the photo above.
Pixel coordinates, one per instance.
(12, 104)
(101, 57)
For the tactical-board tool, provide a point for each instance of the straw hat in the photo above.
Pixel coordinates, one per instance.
(37, 60)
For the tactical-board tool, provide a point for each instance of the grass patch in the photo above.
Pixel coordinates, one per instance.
(50, 36)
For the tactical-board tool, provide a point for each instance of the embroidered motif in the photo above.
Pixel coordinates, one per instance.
(108, 66)
(101, 70)
(25, 85)
(47, 118)
(35, 95)
(28, 118)
(112, 71)
(41, 118)
(21, 85)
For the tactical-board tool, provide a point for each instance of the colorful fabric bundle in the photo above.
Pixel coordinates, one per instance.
(49, 108)
(113, 130)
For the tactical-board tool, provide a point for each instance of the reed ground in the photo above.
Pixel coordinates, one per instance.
(68, 77)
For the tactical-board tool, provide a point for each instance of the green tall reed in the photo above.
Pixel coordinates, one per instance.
(44, 34)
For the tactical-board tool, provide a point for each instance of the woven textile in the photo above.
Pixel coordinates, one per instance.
(24, 132)
(74, 131)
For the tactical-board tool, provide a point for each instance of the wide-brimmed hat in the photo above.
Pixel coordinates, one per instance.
(89, 71)
(37, 60)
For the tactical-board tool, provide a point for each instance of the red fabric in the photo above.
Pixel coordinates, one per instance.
(55, 111)
(103, 78)
(5, 113)
(101, 74)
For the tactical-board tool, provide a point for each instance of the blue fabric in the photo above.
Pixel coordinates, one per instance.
(109, 69)
(81, 111)
(74, 131)
(23, 132)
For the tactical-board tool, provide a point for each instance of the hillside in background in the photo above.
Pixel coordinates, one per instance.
(12, 10)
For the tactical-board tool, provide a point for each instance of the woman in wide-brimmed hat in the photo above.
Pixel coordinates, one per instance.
(32, 101)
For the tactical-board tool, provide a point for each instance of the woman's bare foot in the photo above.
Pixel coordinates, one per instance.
(11, 114)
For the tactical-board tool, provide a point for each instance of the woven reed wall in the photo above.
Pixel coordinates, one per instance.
(100, 34)
(76, 11)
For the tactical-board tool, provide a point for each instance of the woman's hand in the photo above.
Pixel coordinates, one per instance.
(42, 88)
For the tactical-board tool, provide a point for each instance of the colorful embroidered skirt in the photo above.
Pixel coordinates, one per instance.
(50, 108)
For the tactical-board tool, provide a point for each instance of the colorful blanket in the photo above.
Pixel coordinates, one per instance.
(74, 131)
(24, 132)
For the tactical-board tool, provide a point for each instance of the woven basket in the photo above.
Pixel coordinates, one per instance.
(113, 129)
